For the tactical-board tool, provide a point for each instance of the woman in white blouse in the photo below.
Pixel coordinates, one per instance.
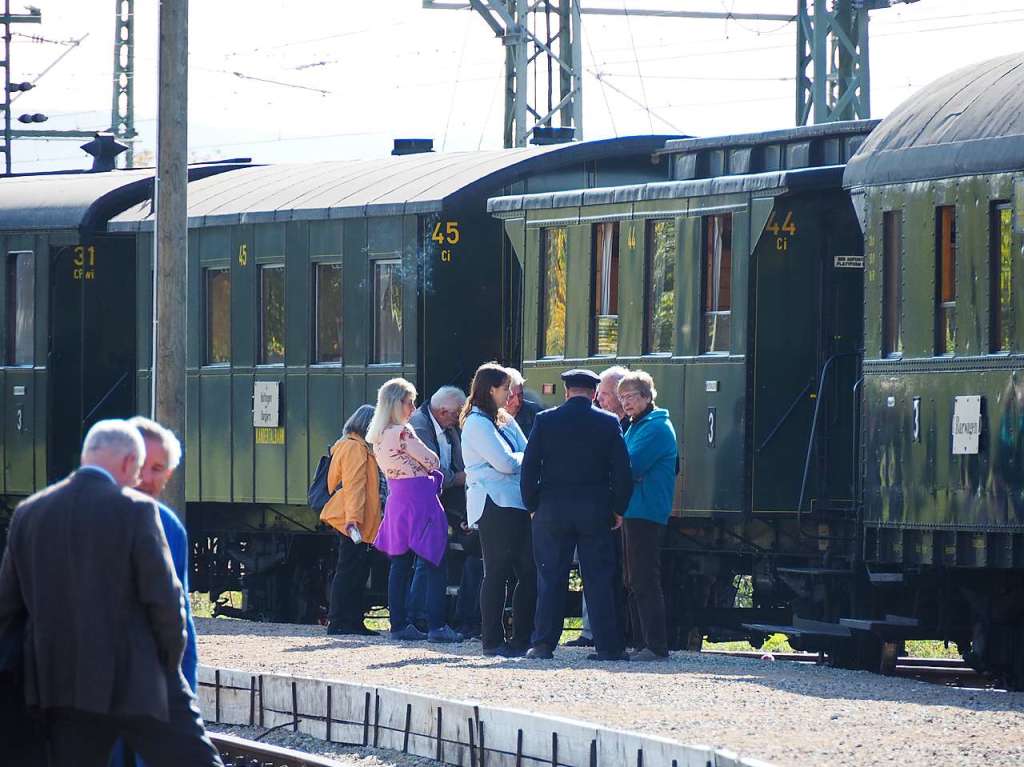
(492, 447)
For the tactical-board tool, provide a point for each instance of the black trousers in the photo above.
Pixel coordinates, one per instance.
(348, 589)
(506, 542)
(81, 739)
(641, 548)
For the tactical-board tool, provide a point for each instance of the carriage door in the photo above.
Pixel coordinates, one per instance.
(92, 341)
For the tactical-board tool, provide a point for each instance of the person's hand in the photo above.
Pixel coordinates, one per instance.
(464, 526)
(618, 522)
(460, 478)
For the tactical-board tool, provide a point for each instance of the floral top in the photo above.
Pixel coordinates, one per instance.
(401, 454)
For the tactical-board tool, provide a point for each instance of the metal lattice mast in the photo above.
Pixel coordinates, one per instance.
(556, 50)
(34, 16)
(122, 111)
(832, 66)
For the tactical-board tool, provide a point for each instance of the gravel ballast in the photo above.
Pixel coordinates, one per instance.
(345, 756)
(786, 713)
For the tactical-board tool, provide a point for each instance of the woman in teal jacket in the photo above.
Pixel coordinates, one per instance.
(651, 442)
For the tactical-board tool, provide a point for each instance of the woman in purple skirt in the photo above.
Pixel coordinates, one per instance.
(414, 521)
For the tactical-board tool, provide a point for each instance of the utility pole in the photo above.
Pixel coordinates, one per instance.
(34, 17)
(170, 236)
(832, 68)
(122, 111)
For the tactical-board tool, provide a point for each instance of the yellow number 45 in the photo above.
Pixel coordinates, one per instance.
(449, 235)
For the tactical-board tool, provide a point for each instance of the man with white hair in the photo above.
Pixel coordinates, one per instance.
(88, 574)
(608, 396)
(518, 406)
(163, 454)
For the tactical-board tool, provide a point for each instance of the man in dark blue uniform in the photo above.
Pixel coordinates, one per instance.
(576, 482)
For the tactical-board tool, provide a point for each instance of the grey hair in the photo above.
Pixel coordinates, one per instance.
(448, 395)
(616, 373)
(641, 381)
(359, 421)
(515, 378)
(116, 436)
(150, 429)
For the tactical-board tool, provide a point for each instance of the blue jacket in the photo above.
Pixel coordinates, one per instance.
(651, 443)
(177, 541)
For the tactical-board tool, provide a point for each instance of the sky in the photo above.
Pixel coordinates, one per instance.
(335, 79)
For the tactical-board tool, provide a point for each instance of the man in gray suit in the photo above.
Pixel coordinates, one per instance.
(88, 571)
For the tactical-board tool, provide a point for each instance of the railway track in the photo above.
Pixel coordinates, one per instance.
(239, 752)
(951, 672)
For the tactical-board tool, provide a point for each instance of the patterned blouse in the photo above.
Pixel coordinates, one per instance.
(401, 454)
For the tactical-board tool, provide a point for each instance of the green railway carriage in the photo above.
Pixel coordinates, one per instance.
(69, 334)
(309, 286)
(737, 284)
(939, 187)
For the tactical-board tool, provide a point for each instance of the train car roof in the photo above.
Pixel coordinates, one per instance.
(969, 122)
(415, 183)
(778, 182)
(81, 200)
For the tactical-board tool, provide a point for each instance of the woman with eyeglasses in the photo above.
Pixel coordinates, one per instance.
(651, 442)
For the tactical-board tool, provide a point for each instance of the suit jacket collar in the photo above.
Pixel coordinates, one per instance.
(95, 472)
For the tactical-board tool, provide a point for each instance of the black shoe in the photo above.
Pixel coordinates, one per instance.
(580, 641)
(540, 652)
(607, 656)
(504, 651)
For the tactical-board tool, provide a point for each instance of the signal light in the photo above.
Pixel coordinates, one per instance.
(34, 118)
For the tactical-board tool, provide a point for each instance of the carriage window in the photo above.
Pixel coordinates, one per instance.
(892, 290)
(271, 315)
(945, 279)
(387, 311)
(327, 313)
(1003, 324)
(660, 287)
(717, 288)
(552, 281)
(218, 316)
(21, 314)
(604, 339)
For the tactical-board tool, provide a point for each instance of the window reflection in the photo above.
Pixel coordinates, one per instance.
(717, 288)
(660, 301)
(327, 328)
(218, 316)
(552, 280)
(604, 339)
(945, 283)
(21, 311)
(387, 311)
(892, 288)
(1004, 320)
(271, 315)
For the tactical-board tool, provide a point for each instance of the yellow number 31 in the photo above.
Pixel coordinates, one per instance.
(449, 235)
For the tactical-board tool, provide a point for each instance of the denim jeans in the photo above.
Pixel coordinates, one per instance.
(435, 586)
(416, 602)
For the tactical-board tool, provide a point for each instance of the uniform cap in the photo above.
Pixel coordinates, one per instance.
(584, 379)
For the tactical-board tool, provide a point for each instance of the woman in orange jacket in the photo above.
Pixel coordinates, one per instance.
(355, 511)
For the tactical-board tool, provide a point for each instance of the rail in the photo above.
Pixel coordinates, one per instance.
(235, 750)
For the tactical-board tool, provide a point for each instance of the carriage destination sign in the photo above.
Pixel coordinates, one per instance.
(966, 424)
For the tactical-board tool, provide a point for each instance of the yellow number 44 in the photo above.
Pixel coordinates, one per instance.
(450, 234)
(788, 227)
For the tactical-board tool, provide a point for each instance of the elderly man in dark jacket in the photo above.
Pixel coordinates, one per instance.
(576, 481)
(436, 423)
(88, 572)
